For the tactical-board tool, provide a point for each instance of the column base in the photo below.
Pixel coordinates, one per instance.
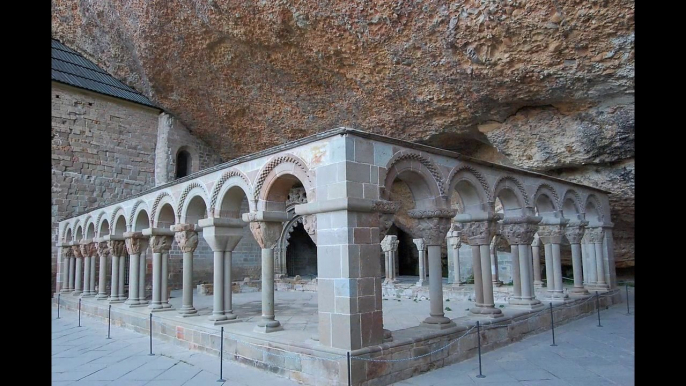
(166, 305)
(101, 297)
(76, 293)
(419, 283)
(162, 309)
(578, 291)
(188, 311)
(65, 290)
(497, 283)
(437, 323)
(491, 312)
(268, 326)
(527, 304)
(555, 297)
(538, 284)
(155, 306)
(227, 321)
(230, 315)
(87, 295)
(387, 335)
(137, 305)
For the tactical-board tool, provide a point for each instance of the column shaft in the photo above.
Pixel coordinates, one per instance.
(268, 322)
(92, 284)
(218, 290)
(577, 268)
(122, 278)
(422, 269)
(77, 278)
(102, 279)
(456, 265)
(134, 266)
(141, 275)
(86, 276)
(527, 284)
(156, 301)
(435, 287)
(494, 267)
(228, 302)
(163, 286)
(114, 287)
(187, 301)
(476, 268)
(557, 269)
(549, 279)
(72, 273)
(486, 276)
(516, 274)
(600, 264)
(592, 270)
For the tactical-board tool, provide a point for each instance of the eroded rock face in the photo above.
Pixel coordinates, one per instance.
(546, 85)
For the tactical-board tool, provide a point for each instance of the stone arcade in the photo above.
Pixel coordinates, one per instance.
(344, 206)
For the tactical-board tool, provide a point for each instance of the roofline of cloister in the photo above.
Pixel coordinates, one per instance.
(330, 133)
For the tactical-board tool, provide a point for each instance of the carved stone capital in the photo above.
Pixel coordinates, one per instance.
(537, 241)
(454, 236)
(133, 245)
(102, 248)
(520, 231)
(551, 234)
(574, 233)
(92, 249)
(266, 233)
(85, 250)
(310, 225)
(160, 243)
(595, 235)
(385, 222)
(433, 229)
(187, 240)
(76, 250)
(389, 243)
(67, 252)
(479, 232)
(421, 245)
(116, 247)
(383, 206)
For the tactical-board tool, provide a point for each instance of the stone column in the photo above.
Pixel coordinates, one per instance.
(86, 256)
(538, 283)
(222, 235)
(165, 276)
(161, 240)
(596, 237)
(93, 253)
(266, 228)
(122, 273)
(454, 241)
(141, 271)
(519, 232)
(433, 226)
(72, 270)
(389, 245)
(551, 232)
(609, 255)
(116, 248)
(135, 244)
(574, 231)
(187, 237)
(494, 258)
(78, 275)
(588, 256)
(480, 229)
(103, 251)
(421, 247)
(67, 256)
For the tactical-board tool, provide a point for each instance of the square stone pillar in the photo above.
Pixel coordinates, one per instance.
(348, 273)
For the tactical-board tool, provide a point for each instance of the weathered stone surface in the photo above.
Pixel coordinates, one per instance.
(488, 79)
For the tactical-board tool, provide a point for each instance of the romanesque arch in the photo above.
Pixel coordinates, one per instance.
(571, 204)
(190, 192)
(228, 193)
(420, 174)
(139, 217)
(546, 200)
(162, 199)
(512, 196)
(118, 220)
(276, 178)
(471, 187)
(593, 209)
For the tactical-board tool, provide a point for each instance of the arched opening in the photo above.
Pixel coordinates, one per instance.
(90, 231)
(301, 253)
(67, 236)
(183, 163)
(119, 226)
(407, 263)
(78, 235)
(104, 228)
(247, 253)
(166, 217)
(142, 221)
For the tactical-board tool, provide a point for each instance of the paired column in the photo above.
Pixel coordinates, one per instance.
(454, 240)
(588, 272)
(479, 235)
(186, 236)
(538, 283)
(551, 232)
(135, 244)
(433, 225)
(164, 290)
(222, 235)
(88, 251)
(494, 258)
(389, 245)
(596, 235)
(102, 251)
(574, 232)
(519, 232)
(78, 275)
(160, 242)
(421, 248)
(117, 249)
(266, 228)
(67, 256)
(141, 273)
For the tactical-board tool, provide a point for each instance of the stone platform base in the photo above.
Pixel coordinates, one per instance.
(306, 361)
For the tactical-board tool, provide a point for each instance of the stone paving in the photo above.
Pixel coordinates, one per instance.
(585, 354)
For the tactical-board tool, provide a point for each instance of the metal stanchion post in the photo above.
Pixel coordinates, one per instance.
(552, 324)
(221, 355)
(58, 305)
(109, 318)
(350, 381)
(79, 312)
(597, 297)
(151, 335)
(478, 339)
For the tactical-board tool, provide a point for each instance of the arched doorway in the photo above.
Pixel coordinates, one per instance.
(301, 253)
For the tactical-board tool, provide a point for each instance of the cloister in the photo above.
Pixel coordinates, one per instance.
(344, 176)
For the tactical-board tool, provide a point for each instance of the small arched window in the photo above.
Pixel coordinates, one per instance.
(183, 164)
